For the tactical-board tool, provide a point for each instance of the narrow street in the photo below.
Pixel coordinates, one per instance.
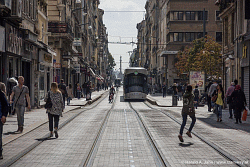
(126, 134)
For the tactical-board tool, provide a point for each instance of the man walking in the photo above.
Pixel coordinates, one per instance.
(164, 89)
(62, 87)
(211, 91)
(230, 90)
(21, 93)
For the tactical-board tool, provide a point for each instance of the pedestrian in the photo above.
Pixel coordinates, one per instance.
(79, 91)
(57, 108)
(179, 88)
(63, 90)
(88, 91)
(212, 88)
(84, 86)
(164, 89)
(239, 102)
(188, 109)
(175, 90)
(196, 96)
(70, 93)
(21, 93)
(3, 114)
(230, 90)
(219, 93)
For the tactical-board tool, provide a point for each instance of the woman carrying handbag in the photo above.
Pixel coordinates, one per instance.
(55, 110)
(219, 94)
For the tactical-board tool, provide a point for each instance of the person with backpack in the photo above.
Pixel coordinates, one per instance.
(196, 96)
(55, 111)
(239, 102)
(188, 109)
(63, 89)
(3, 113)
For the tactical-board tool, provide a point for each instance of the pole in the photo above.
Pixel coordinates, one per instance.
(204, 23)
(120, 65)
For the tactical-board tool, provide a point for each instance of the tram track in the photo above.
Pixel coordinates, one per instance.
(22, 153)
(154, 147)
(221, 151)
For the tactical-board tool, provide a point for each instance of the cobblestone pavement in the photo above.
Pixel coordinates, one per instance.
(122, 141)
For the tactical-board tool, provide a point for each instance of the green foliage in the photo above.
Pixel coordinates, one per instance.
(204, 55)
(111, 61)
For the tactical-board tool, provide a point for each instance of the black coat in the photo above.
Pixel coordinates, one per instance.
(238, 99)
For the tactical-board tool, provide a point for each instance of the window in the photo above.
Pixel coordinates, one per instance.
(217, 16)
(178, 37)
(218, 36)
(190, 36)
(199, 35)
(190, 15)
(200, 15)
(178, 15)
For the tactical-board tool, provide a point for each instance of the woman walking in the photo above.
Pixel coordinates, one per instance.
(57, 108)
(239, 102)
(79, 90)
(188, 109)
(70, 93)
(219, 93)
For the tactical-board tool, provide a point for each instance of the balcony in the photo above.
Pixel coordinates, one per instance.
(60, 29)
(223, 4)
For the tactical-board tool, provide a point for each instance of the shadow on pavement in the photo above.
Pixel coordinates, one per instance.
(47, 138)
(186, 144)
(244, 126)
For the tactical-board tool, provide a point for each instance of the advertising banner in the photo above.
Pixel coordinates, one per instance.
(197, 78)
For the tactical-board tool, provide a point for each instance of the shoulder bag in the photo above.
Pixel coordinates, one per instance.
(14, 110)
(48, 102)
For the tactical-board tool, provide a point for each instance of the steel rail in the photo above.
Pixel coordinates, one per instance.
(157, 152)
(33, 146)
(221, 151)
(90, 157)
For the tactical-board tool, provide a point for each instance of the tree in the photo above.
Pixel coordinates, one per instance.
(204, 55)
(111, 61)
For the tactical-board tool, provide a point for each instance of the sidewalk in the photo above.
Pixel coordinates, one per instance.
(167, 102)
(38, 117)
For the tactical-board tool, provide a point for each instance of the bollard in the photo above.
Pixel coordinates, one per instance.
(174, 100)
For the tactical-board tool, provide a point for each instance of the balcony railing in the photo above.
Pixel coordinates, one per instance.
(60, 27)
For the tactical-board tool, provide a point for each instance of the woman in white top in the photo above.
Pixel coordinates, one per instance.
(57, 108)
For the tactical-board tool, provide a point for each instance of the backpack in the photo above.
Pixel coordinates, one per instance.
(196, 93)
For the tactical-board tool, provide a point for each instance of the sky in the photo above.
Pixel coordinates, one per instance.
(121, 26)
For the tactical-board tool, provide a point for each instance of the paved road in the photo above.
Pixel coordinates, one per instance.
(122, 141)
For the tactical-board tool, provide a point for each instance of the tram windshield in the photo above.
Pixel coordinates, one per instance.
(135, 83)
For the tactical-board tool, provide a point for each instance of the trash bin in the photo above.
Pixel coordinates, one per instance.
(174, 100)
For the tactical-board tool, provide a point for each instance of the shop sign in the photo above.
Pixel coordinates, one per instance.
(13, 40)
(76, 68)
(2, 39)
(47, 58)
(57, 65)
(197, 78)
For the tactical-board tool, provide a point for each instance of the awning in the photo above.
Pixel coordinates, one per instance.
(92, 72)
(165, 53)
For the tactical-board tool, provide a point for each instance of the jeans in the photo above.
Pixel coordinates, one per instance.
(20, 115)
(164, 94)
(231, 109)
(68, 100)
(78, 94)
(56, 121)
(209, 103)
(84, 92)
(219, 110)
(64, 101)
(1, 138)
(184, 121)
(197, 100)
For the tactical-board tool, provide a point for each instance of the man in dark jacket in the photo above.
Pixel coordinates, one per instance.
(3, 114)
(62, 88)
(239, 102)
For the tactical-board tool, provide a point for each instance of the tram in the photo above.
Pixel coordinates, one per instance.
(135, 84)
(118, 82)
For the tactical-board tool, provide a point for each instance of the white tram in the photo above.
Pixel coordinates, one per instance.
(135, 84)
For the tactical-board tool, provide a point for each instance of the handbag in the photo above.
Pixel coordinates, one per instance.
(48, 102)
(14, 110)
(244, 115)
(214, 98)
